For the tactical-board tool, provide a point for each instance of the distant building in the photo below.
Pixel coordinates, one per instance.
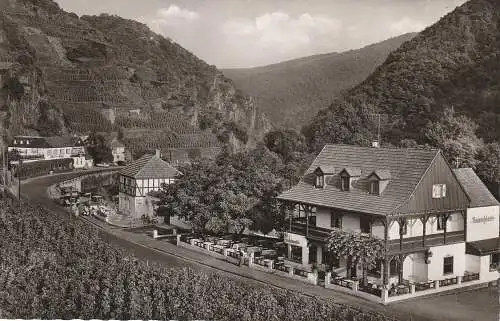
(138, 179)
(36, 148)
(437, 224)
(118, 150)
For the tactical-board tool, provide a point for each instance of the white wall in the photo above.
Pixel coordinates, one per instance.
(323, 217)
(482, 223)
(415, 228)
(414, 267)
(485, 274)
(435, 268)
(472, 263)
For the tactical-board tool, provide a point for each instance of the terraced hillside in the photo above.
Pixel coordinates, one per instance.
(63, 74)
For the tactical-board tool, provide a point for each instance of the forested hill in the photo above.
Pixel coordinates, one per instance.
(62, 74)
(292, 92)
(454, 63)
(442, 88)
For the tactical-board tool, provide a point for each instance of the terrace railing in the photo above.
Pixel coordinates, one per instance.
(448, 281)
(422, 286)
(470, 277)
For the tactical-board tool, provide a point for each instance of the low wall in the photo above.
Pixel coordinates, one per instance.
(211, 253)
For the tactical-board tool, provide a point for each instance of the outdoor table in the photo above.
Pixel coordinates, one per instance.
(238, 246)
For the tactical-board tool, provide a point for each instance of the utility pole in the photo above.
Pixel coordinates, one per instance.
(378, 127)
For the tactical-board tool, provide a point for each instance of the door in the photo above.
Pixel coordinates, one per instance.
(313, 252)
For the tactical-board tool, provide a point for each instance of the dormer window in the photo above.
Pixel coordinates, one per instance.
(345, 182)
(347, 175)
(322, 173)
(378, 181)
(320, 180)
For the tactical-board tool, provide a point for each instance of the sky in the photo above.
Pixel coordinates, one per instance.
(249, 33)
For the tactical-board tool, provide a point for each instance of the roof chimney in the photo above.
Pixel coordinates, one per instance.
(158, 154)
(375, 144)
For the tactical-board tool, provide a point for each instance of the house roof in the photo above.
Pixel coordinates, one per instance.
(46, 142)
(325, 169)
(352, 171)
(382, 174)
(483, 247)
(150, 166)
(478, 193)
(115, 143)
(406, 167)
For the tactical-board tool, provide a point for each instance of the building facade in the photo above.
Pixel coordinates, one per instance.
(139, 178)
(118, 151)
(35, 148)
(435, 223)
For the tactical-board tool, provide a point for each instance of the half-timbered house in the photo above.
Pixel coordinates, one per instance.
(138, 179)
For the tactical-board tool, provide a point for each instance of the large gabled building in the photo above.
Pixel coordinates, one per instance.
(138, 179)
(36, 148)
(436, 223)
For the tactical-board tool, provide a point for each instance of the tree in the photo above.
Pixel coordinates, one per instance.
(286, 143)
(356, 248)
(225, 195)
(14, 88)
(456, 137)
(488, 168)
(98, 148)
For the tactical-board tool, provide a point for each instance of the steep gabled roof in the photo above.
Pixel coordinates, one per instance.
(478, 193)
(115, 143)
(406, 167)
(326, 169)
(352, 171)
(150, 166)
(382, 174)
(60, 141)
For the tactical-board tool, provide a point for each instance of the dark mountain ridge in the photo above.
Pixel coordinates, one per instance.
(453, 64)
(291, 92)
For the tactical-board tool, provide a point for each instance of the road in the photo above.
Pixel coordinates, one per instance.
(475, 305)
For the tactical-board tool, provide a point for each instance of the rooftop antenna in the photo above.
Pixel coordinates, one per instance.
(378, 128)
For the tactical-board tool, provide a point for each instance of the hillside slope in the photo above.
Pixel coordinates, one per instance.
(453, 64)
(63, 74)
(291, 92)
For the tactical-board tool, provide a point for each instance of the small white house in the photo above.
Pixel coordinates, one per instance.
(118, 151)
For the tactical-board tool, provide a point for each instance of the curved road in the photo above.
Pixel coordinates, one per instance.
(472, 305)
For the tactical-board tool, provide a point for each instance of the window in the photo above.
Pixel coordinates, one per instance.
(494, 264)
(336, 220)
(441, 222)
(320, 180)
(364, 225)
(344, 181)
(374, 187)
(438, 190)
(448, 265)
(68, 150)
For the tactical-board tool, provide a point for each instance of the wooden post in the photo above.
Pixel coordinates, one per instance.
(401, 222)
(424, 220)
(307, 208)
(385, 278)
(446, 216)
(400, 272)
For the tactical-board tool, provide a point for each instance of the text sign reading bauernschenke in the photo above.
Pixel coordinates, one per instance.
(484, 219)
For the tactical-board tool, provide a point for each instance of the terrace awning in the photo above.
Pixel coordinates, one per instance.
(483, 247)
